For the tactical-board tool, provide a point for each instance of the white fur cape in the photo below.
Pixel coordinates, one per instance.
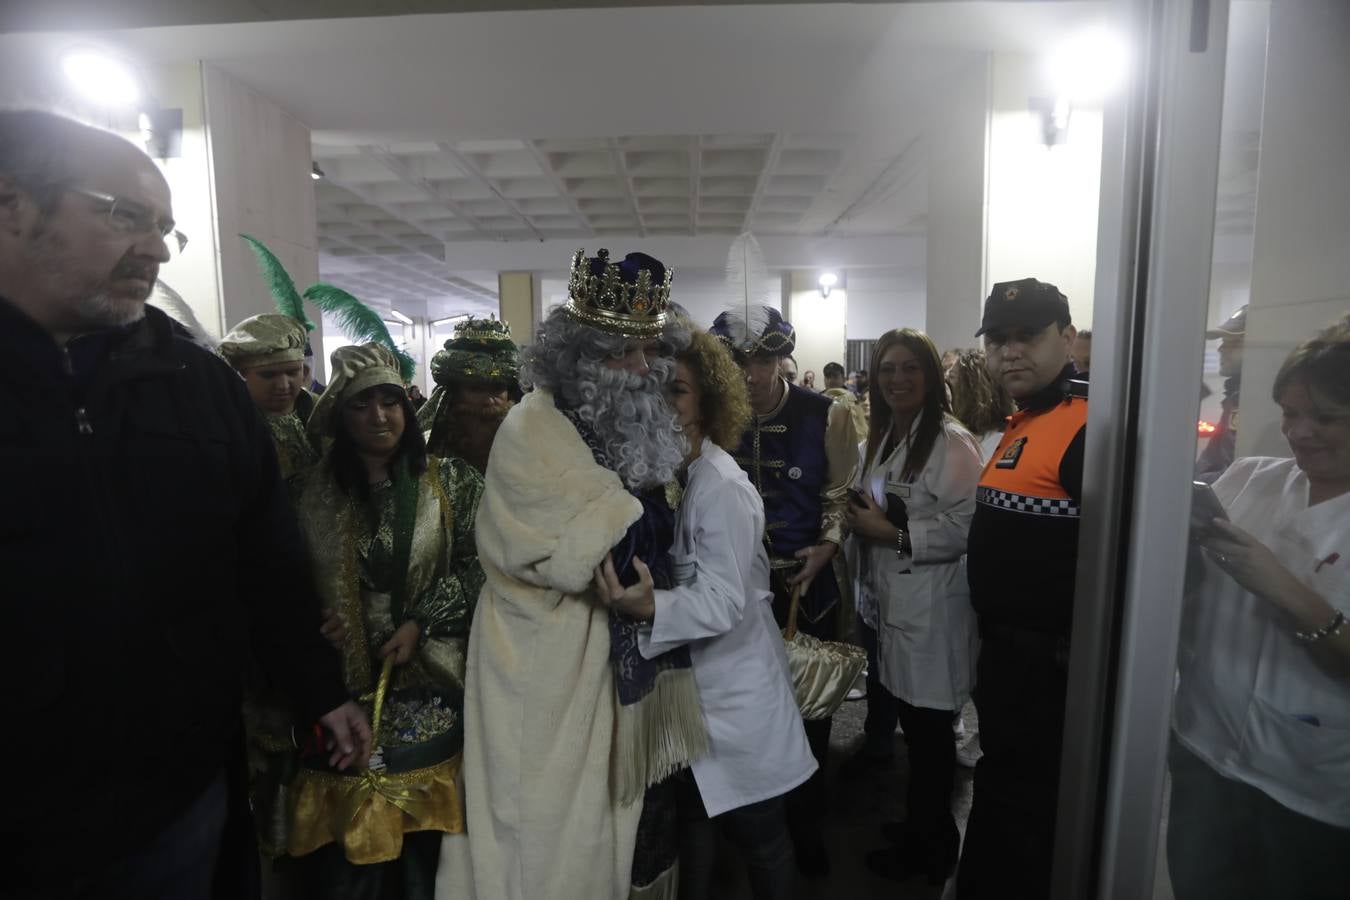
(539, 706)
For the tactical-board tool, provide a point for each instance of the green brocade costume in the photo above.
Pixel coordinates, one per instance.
(421, 737)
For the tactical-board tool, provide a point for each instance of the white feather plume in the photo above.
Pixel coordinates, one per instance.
(172, 304)
(751, 290)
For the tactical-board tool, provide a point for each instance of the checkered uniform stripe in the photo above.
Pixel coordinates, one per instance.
(1022, 503)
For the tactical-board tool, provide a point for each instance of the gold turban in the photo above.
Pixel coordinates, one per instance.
(264, 340)
(352, 370)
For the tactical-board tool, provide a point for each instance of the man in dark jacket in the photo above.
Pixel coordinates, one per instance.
(145, 543)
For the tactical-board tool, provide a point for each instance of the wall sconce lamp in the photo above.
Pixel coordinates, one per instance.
(113, 84)
(316, 173)
(827, 281)
(1085, 69)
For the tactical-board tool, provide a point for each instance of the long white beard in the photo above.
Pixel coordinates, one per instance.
(635, 425)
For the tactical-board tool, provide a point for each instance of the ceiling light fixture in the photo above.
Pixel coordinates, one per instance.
(102, 78)
(1083, 70)
(827, 281)
(405, 319)
(1088, 67)
(316, 173)
(449, 320)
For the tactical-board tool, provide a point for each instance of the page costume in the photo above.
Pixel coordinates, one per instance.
(405, 553)
(480, 354)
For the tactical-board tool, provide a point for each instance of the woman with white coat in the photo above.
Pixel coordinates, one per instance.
(721, 610)
(910, 515)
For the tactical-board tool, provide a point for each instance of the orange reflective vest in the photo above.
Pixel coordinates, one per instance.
(1023, 548)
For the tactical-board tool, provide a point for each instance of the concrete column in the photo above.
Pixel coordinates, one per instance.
(1300, 270)
(819, 321)
(260, 161)
(521, 300)
(957, 148)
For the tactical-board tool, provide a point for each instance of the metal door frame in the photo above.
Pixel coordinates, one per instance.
(1155, 244)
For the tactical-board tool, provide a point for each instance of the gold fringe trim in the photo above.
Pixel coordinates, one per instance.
(665, 887)
(369, 812)
(659, 735)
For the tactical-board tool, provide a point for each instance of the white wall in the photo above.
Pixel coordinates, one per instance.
(882, 299)
(1042, 201)
(957, 150)
(1300, 266)
(260, 168)
(819, 322)
(194, 274)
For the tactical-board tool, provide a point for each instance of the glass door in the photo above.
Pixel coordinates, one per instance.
(1207, 749)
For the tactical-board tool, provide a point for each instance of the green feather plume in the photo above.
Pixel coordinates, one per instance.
(288, 299)
(358, 322)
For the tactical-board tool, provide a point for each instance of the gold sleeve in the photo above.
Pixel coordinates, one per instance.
(841, 456)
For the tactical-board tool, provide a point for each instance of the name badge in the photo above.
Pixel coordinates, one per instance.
(899, 489)
(1009, 457)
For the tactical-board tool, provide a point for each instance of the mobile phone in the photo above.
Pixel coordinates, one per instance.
(1205, 505)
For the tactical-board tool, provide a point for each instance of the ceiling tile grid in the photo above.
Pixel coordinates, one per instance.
(386, 211)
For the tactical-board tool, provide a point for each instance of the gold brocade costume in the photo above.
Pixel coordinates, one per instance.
(421, 732)
(295, 452)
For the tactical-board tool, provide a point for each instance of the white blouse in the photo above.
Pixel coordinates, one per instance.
(1252, 701)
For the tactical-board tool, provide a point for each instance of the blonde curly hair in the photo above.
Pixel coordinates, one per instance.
(978, 400)
(724, 403)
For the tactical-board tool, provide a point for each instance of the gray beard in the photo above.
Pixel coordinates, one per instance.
(634, 424)
(102, 311)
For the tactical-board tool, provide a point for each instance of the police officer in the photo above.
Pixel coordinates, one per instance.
(801, 453)
(1021, 564)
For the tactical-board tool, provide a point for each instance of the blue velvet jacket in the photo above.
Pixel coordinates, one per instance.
(802, 457)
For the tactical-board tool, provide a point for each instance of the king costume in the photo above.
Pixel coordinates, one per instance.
(570, 733)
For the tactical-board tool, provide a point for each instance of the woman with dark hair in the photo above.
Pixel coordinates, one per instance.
(390, 531)
(720, 608)
(1260, 759)
(910, 514)
(979, 402)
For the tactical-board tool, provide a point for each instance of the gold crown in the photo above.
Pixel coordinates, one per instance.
(634, 309)
(482, 330)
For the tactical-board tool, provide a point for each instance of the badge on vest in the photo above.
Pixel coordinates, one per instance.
(795, 472)
(1010, 456)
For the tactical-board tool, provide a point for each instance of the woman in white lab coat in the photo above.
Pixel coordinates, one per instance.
(910, 516)
(1261, 758)
(721, 610)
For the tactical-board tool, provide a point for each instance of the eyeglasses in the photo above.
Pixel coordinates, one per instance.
(129, 217)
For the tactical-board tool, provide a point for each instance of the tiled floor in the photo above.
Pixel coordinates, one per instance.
(858, 808)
